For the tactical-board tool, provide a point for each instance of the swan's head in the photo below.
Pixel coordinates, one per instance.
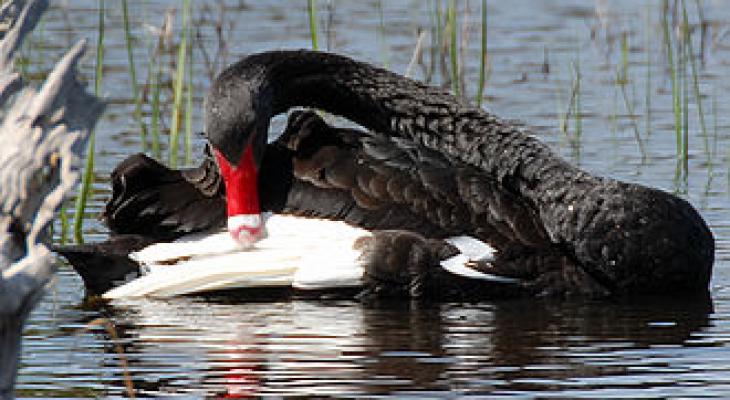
(237, 126)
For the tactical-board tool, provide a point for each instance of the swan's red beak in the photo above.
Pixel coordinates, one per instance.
(244, 215)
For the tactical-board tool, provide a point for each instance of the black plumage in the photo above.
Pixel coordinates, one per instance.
(631, 238)
(429, 165)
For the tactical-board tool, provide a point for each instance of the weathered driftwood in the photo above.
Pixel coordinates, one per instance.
(42, 136)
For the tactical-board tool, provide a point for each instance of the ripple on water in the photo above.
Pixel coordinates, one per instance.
(523, 349)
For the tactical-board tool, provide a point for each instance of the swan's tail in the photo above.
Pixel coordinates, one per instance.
(105, 265)
(149, 203)
(152, 200)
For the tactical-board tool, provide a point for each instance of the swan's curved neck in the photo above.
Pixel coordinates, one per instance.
(392, 104)
(339, 85)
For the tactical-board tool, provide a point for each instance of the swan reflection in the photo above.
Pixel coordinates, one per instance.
(331, 347)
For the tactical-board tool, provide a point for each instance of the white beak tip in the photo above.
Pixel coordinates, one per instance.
(246, 229)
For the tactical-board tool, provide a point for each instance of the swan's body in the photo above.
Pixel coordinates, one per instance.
(430, 167)
(300, 253)
(624, 237)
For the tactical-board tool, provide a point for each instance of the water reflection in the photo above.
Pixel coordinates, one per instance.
(342, 347)
(528, 349)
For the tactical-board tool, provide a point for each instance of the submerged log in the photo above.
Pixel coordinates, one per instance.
(43, 134)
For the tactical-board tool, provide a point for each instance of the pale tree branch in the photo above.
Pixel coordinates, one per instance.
(43, 134)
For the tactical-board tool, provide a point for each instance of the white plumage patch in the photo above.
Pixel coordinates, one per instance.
(304, 253)
(472, 250)
(301, 252)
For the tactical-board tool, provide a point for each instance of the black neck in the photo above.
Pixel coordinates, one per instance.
(392, 104)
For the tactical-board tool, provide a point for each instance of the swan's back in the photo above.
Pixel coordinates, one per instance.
(631, 238)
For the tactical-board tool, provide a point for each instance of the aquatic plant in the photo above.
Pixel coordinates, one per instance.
(155, 82)
(482, 56)
(673, 76)
(695, 80)
(312, 12)
(578, 108)
(648, 86)
(189, 104)
(155, 110)
(622, 81)
(453, 48)
(179, 83)
(133, 79)
(87, 180)
(382, 45)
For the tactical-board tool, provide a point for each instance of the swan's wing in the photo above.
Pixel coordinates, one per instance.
(381, 182)
(313, 169)
(149, 198)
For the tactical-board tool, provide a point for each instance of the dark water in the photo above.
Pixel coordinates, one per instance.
(537, 348)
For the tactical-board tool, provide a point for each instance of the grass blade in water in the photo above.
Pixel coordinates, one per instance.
(87, 180)
(695, 79)
(133, 79)
(648, 89)
(673, 78)
(451, 16)
(483, 55)
(189, 104)
(179, 83)
(578, 113)
(63, 215)
(312, 11)
(381, 36)
(155, 118)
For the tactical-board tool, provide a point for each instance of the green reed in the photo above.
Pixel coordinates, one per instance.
(155, 76)
(684, 81)
(562, 122)
(648, 88)
(133, 78)
(565, 110)
(155, 106)
(439, 17)
(629, 105)
(312, 12)
(63, 216)
(711, 149)
(178, 85)
(714, 128)
(573, 110)
(695, 79)
(482, 56)
(87, 180)
(613, 117)
(189, 106)
(622, 76)
(578, 113)
(382, 45)
(673, 76)
(622, 81)
(438, 37)
(714, 120)
(453, 48)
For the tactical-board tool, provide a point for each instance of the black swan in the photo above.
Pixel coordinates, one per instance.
(151, 203)
(557, 228)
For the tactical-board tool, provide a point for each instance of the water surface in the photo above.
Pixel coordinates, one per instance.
(216, 347)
